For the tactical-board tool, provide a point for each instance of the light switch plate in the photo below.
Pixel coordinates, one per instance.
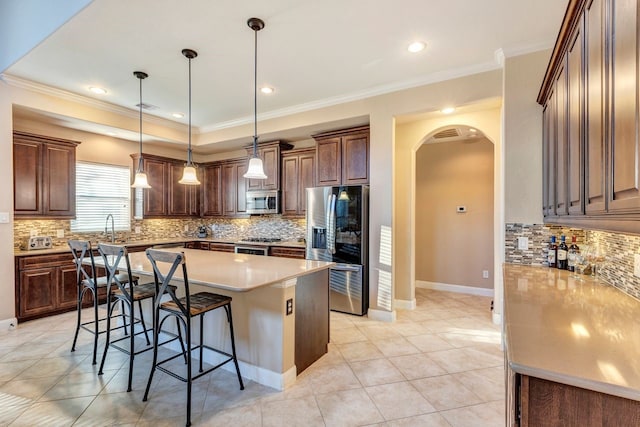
(523, 243)
(636, 265)
(4, 217)
(485, 274)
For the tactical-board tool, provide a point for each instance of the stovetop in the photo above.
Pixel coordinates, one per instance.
(262, 239)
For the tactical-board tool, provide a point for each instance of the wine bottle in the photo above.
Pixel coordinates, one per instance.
(552, 252)
(572, 257)
(563, 251)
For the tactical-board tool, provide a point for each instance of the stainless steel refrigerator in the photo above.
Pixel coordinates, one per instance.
(337, 230)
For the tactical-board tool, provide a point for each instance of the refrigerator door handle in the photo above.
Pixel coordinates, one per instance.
(331, 224)
(345, 267)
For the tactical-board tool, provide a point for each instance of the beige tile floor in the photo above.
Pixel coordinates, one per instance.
(439, 365)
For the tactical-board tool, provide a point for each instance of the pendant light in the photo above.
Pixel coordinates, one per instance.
(189, 176)
(255, 169)
(140, 180)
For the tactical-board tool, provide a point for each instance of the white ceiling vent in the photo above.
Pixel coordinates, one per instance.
(456, 133)
(447, 133)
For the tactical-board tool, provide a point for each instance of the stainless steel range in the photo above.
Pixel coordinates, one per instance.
(245, 246)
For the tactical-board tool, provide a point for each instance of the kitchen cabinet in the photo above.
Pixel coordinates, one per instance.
(270, 153)
(212, 190)
(234, 188)
(46, 285)
(44, 176)
(222, 247)
(287, 251)
(166, 197)
(542, 403)
(343, 157)
(298, 174)
(591, 123)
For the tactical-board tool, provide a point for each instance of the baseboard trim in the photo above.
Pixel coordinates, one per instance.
(382, 315)
(472, 290)
(403, 304)
(8, 324)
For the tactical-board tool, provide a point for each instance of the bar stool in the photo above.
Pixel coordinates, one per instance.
(116, 257)
(184, 309)
(87, 281)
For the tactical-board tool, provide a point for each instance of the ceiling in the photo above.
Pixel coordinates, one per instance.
(312, 53)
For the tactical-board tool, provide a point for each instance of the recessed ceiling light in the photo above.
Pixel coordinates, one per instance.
(98, 90)
(266, 90)
(447, 110)
(416, 47)
(472, 130)
(178, 115)
(111, 133)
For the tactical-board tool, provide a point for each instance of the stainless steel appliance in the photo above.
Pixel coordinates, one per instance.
(337, 230)
(39, 242)
(251, 250)
(263, 202)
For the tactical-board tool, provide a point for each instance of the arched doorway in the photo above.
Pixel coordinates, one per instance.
(454, 211)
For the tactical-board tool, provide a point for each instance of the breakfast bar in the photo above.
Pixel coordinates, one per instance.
(280, 309)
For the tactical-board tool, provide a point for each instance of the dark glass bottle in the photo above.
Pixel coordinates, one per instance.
(574, 250)
(552, 252)
(563, 252)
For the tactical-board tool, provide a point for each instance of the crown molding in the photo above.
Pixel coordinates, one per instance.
(90, 102)
(357, 96)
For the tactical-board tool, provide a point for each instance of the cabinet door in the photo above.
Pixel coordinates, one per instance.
(290, 191)
(155, 198)
(179, 194)
(306, 179)
(329, 156)
(624, 194)
(561, 143)
(270, 157)
(37, 291)
(595, 182)
(241, 187)
(575, 90)
(59, 185)
(550, 164)
(67, 290)
(212, 191)
(355, 159)
(27, 193)
(547, 118)
(230, 189)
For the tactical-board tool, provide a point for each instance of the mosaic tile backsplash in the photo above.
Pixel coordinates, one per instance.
(152, 229)
(619, 250)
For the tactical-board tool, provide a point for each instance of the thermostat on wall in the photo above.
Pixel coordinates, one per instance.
(461, 209)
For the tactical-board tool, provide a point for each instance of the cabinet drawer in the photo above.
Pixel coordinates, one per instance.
(222, 247)
(43, 261)
(287, 252)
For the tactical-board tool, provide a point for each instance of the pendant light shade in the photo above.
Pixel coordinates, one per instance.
(255, 169)
(141, 178)
(189, 176)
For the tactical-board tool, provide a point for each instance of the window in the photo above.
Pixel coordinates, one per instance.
(102, 190)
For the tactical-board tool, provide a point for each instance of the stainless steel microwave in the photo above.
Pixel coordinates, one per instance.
(263, 202)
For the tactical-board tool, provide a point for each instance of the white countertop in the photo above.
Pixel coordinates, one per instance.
(229, 271)
(578, 332)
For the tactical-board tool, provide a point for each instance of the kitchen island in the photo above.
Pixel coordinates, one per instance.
(572, 349)
(280, 309)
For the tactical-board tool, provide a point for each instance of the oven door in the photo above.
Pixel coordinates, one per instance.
(251, 250)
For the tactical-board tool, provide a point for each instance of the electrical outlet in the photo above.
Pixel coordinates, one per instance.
(523, 243)
(138, 230)
(60, 233)
(289, 306)
(4, 217)
(33, 233)
(186, 228)
(485, 274)
(636, 265)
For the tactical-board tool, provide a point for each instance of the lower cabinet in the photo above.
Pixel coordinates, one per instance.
(211, 246)
(543, 403)
(46, 285)
(287, 252)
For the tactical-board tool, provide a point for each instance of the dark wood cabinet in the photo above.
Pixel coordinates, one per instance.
(298, 174)
(167, 197)
(44, 184)
(343, 157)
(46, 285)
(222, 247)
(287, 252)
(234, 188)
(591, 118)
(212, 190)
(270, 153)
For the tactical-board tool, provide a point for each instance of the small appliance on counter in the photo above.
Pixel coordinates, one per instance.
(202, 231)
(39, 242)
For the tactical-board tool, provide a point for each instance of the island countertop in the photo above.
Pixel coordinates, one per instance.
(579, 332)
(230, 271)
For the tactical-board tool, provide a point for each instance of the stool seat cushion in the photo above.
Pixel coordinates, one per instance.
(140, 292)
(200, 303)
(102, 281)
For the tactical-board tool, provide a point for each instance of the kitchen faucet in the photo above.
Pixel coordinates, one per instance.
(113, 231)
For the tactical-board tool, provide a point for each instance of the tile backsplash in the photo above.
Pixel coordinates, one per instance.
(152, 229)
(619, 250)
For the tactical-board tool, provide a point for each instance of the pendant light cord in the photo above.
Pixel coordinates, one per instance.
(140, 162)
(189, 151)
(255, 93)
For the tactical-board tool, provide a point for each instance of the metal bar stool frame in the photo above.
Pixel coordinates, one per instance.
(89, 282)
(182, 309)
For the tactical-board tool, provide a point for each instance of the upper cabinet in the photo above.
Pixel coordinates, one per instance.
(591, 118)
(44, 183)
(269, 152)
(343, 157)
(166, 197)
(298, 174)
